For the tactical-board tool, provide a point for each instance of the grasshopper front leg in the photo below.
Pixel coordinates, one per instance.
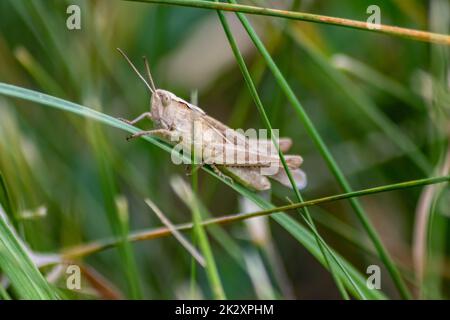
(142, 116)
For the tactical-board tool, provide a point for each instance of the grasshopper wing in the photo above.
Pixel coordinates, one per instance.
(250, 155)
(298, 175)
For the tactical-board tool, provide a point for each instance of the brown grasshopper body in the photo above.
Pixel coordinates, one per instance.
(229, 152)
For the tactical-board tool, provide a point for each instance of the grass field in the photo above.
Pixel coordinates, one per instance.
(367, 109)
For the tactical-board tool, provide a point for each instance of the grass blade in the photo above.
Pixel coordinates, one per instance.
(5, 200)
(189, 247)
(305, 214)
(201, 236)
(302, 16)
(117, 213)
(161, 232)
(326, 154)
(364, 103)
(61, 104)
(26, 280)
(68, 106)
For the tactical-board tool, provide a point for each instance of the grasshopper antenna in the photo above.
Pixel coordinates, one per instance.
(147, 67)
(136, 70)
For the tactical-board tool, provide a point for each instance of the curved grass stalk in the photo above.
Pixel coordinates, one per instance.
(200, 235)
(94, 247)
(17, 264)
(328, 157)
(304, 212)
(412, 34)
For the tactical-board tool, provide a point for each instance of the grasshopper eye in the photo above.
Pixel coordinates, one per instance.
(165, 99)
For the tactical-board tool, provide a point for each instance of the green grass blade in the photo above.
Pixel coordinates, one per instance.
(302, 16)
(116, 211)
(87, 112)
(326, 154)
(202, 237)
(41, 76)
(61, 104)
(26, 280)
(161, 232)
(309, 240)
(4, 294)
(5, 200)
(429, 260)
(305, 214)
(377, 79)
(100, 245)
(211, 266)
(220, 236)
(364, 103)
(185, 193)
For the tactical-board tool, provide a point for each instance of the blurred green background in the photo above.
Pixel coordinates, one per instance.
(381, 104)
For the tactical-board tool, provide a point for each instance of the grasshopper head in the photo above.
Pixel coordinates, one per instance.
(164, 97)
(160, 98)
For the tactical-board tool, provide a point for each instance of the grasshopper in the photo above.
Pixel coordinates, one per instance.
(230, 153)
